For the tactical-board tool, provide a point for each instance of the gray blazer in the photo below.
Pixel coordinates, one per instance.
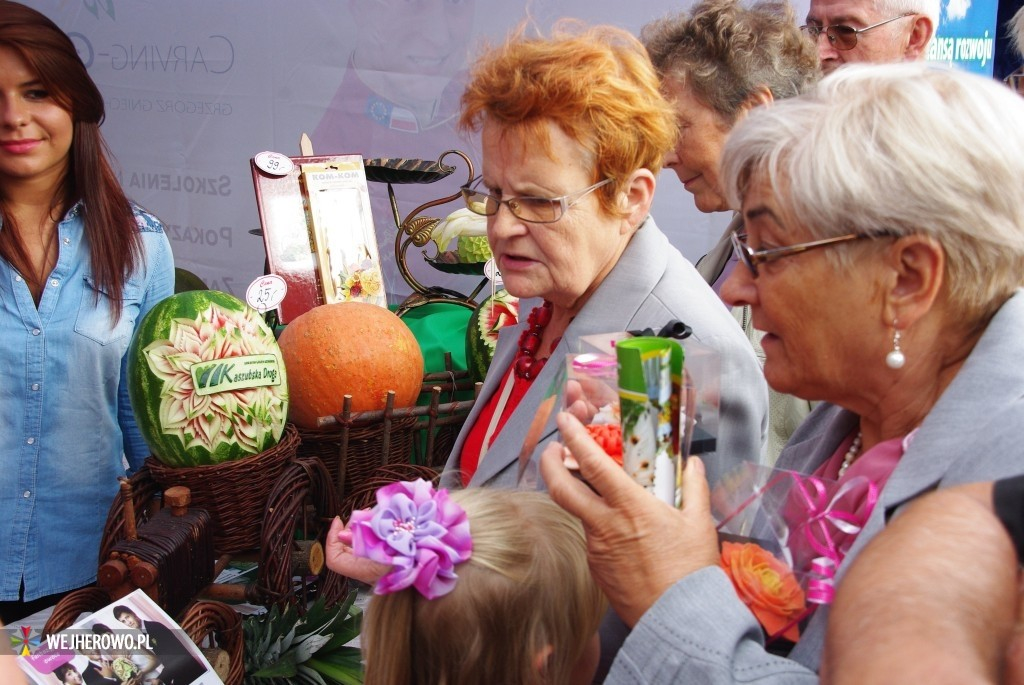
(699, 631)
(711, 265)
(651, 284)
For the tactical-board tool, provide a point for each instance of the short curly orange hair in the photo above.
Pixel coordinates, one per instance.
(596, 83)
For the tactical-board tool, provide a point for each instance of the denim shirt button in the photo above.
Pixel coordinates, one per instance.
(36, 331)
(54, 282)
(35, 386)
(17, 278)
(31, 441)
(27, 494)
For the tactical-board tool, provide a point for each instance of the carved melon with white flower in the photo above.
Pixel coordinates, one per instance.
(469, 228)
(207, 381)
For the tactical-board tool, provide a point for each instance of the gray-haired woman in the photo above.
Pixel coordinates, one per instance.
(717, 62)
(884, 266)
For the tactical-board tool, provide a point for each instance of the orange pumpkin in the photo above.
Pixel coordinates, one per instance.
(348, 348)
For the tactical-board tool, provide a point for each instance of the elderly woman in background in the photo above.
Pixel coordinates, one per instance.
(573, 132)
(717, 62)
(885, 273)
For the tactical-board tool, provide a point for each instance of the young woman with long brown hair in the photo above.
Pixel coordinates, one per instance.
(79, 266)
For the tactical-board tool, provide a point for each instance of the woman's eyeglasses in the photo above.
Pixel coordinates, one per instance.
(751, 257)
(536, 210)
(843, 37)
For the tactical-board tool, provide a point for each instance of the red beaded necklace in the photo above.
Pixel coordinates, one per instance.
(527, 366)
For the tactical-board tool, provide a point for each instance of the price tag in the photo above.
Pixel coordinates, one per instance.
(274, 163)
(491, 272)
(266, 292)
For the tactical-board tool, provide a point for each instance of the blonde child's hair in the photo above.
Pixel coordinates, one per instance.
(525, 587)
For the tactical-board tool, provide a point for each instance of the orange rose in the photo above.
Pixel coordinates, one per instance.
(767, 586)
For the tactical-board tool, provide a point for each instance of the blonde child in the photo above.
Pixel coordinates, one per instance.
(482, 585)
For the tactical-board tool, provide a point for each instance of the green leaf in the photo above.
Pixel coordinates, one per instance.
(323, 619)
(281, 647)
(285, 667)
(317, 625)
(347, 631)
(268, 636)
(348, 602)
(344, 673)
(310, 676)
(310, 646)
(288, 639)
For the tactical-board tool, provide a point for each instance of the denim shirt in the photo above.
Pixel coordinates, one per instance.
(65, 423)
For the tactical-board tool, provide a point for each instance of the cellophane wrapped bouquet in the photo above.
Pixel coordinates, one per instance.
(783, 535)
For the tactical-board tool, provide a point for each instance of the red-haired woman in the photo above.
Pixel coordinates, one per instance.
(573, 132)
(79, 266)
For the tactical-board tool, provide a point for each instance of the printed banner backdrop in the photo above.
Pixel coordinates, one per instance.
(195, 88)
(966, 36)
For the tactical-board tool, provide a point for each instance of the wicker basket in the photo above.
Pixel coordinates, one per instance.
(143, 489)
(366, 496)
(300, 509)
(85, 600)
(354, 446)
(444, 440)
(439, 417)
(234, 492)
(217, 625)
(353, 451)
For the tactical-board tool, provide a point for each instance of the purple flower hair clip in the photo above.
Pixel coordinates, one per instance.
(419, 532)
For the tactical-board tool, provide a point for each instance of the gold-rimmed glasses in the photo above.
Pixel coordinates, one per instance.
(536, 210)
(843, 37)
(751, 257)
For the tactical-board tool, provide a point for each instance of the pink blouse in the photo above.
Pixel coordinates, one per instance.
(863, 480)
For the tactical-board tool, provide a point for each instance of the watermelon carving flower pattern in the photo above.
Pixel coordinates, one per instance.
(249, 417)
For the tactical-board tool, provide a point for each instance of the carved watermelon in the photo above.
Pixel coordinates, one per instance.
(473, 249)
(206, 380)
(349, 348)
(494, 313)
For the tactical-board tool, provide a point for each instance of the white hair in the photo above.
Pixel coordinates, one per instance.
(901, 149)
(929, 8)
(1016, 28)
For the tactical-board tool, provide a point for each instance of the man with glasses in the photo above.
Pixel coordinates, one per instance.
(849, 31)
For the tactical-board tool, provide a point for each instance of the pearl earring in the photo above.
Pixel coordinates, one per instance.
(895, 359)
